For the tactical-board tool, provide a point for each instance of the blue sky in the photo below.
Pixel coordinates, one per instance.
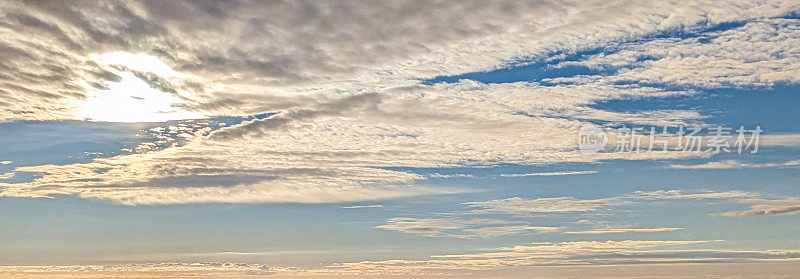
(395, 139)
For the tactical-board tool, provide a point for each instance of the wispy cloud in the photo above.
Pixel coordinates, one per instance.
(622, 230)
(582, 253)
(458, 227)
(492, 231)
(145, 270)
(735, 164)
(788, 140)
(439, 175)
(354, 145)
(678, 194)
(759, 207)
(525, 207)
(576, 253)
(361, 206)
(555, 173)
(516, 214)
(718, 62)
(542, 206)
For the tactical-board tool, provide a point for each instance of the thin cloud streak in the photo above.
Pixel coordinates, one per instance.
(555, 173)
(623, 230)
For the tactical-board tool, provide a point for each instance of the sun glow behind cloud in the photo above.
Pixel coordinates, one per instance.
(131, 99)
(135, 62)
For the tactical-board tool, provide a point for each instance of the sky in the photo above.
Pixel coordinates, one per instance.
(537, 139)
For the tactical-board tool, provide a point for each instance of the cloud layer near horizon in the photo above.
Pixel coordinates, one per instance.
(626, 253)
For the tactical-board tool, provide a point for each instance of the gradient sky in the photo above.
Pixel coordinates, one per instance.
(350, 138)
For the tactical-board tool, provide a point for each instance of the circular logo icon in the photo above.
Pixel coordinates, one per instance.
(591, 139)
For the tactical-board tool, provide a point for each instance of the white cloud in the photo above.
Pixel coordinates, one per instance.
(350, 103)
(362, 206)
(758, 207)
(790, 140)
(762, 52)
(51, 49)
(735, 164)
(555, 173)
(335, 151)
(439, 175)
(522, 209)
(492, 231)
(677, 194)
(586, 254)
(55, 53)
(456, 227)
(622, 230)
(532, 207)
(431, 227)
(145, 270)
(581, 253)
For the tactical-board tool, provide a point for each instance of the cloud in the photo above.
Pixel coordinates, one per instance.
(677, 194)
(57, 51)
(754, 53)
(201, 269)
(521, 210)
(362, 206)
(575, 253)
(555, 173)
(520, 207)
(439, 175)
(351, 113)
(584, 254)
(431, 227)
(524, 207)
(348, 100)
(759, 207)
(789, 140)
(735, 164)
(456, 227)
(492, 231)
(622, 230)
(337, 150)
